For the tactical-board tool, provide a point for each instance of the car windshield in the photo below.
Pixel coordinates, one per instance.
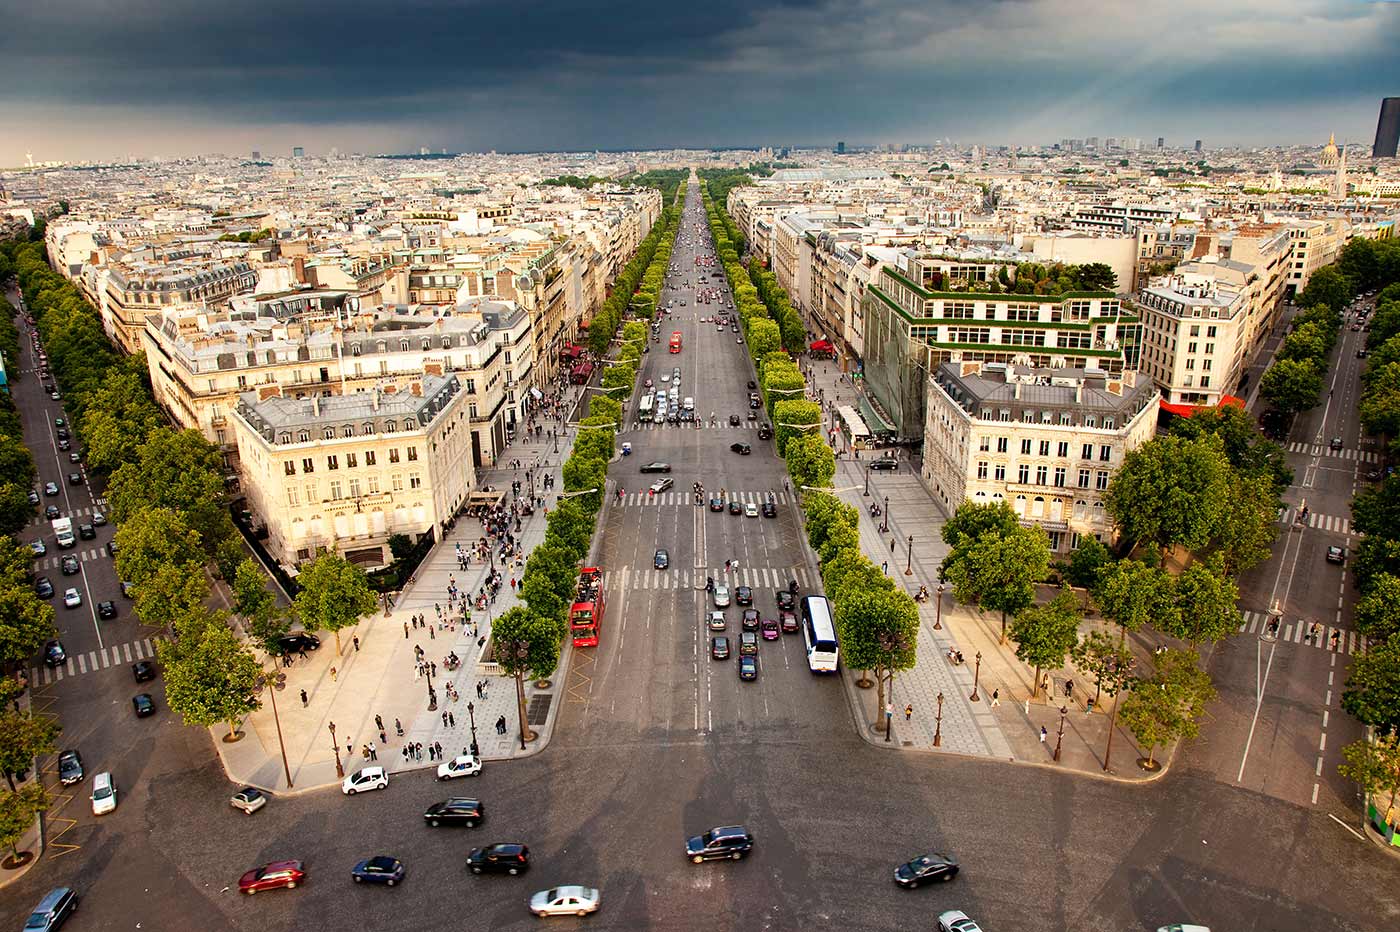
(102, 792)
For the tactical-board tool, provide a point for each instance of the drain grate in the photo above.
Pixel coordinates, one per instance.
(537, 710)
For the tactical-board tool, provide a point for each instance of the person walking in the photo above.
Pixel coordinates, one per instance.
(996, 698)
(1043, 734)
(383, 737)
(1336, 639)
(332, 674)
(378, 721)
(405, 631)
(398, 728)
(356, 639)
(303, 698)
(373, 754)
(444, 720)
(451, 719)
(908, 711)
(437, 745)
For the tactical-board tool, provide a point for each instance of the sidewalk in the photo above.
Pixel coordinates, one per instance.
(1012, 729)
(379, 676)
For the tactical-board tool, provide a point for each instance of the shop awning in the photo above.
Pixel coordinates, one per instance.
(1189, 410)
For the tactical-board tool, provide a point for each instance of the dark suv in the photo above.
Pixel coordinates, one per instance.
(726, 841)
(459, 810)
(500, 858)
(298, 642)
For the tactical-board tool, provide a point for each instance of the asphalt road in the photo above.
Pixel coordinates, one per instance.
(630, 773)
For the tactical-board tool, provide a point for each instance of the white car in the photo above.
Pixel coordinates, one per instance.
(721, 596)
(666, 377)
(72, 598)
(565, 901)
(751, 510)
(1183, 927)
(250, 799)
(104, 794)
(369, 778)
(464, 765)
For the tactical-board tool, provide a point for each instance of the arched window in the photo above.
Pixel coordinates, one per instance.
(408, 424)
(347, 431)
(284, 437)
(303, 436)
(328, 433)
(1019, 505)
(1038, 507)
(367, 429)
(390, 427)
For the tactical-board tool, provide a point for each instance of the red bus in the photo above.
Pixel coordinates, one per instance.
(586, 613)
(675, 341)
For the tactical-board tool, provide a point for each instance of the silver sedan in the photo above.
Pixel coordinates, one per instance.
(565, 901)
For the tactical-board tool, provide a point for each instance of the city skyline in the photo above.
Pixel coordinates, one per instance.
(169, 79)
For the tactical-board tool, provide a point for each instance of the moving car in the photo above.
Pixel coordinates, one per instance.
(33, 497)
(749, 621)
(463, 765)
(955, 920)
(770, 510)
(1336, 554)
(734, 420)
(743, 595)
(378, 869)
(365, 779)
(1336, 443)
(54, 654)
(70, 767)
(98, 519)
(770, 629)
(52, 911)
(661, 560)
(657, 467)
(716, 503)
(458, 810)
(721, 596)
(661, 485)
(736, 508)
(75, 478)
(106, 609)
(271, 876)
(724, 841)
(143, 670)
(926, 868)
(565, 901)
(885, 462)
(788, 622)
(719, 648)
(72, 598)
(69, 565)
(716, 621)
(50, 489)
(87, 531)
(250, 799)
(51, 512)
(500, 858)
(787, 600)
(748, 643)
(104, 794)
(37, 548)
(143, 705)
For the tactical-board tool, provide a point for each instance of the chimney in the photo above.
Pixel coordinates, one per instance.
(299, 269)
(269, 391)
(1017, 391)
(374, 400)
(416, 389)
(316, 405)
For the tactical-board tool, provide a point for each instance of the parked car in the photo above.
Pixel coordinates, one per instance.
(249, 799)
(106, 609)
(380, 869)
(70, 767)
(955, 920)
(365, 779)
(143, 705)
(54, 654)
(72, 598)
(740, 447)
(459, 810)
(52, 911)
(298, 642)
(719, 648)
(1336, 554)
(464, 765)
(104, 794)
(272, 876)
(925, 869)
(500, 858)
(885, 462)
(43, 587)
(724, 841)
(143, 671)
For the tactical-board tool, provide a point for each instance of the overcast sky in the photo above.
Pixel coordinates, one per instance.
(97, 79)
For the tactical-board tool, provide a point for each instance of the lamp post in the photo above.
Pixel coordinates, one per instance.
(976, 675)
(867, 483)
(278, 681)
(522, 654)
(884, 529)
(432, 693)
(909, 564)
(938, 614)
(938, 724)
(471, 713)
(555, 432)
(335, 746)
(1060, 737)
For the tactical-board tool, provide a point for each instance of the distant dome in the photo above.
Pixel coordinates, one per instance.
(1330, 156)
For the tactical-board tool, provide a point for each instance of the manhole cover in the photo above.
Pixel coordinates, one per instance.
(537, 711)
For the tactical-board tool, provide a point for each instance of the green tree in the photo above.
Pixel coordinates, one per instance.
(1131, 594)
(1372, 692)
(18, 472)
(1169, 704)
(18, 810)
(765, 336)
(334, 594)
(212, 680)
(570, 528)
(1086, 561)
(1375, 765)
(609, 409)
(1044, 634)
(1326, 286)
(118, 420)
(810, 462)
(152, 539)
(582, 473)
(972, 520)
(1096, 276)
(525, 644)
(23, 737)
(1171, 492)
(1249, 524)
(794, 417)
(26, 622)
(1245, 446)
(618, 380)
(1378, 611)
(1207, 603)
(1292, 385)
(170, 594)
(879, 631)
(998, 572)
(547, 583)
(1100, 655)
(1380, 403)
(1375, 555)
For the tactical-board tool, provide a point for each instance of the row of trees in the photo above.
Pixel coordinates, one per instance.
(626, 290)
(17, 470)
(1293, 382)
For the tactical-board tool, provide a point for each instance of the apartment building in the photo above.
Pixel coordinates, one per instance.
(1194, 328)
(1047, 441)
(1315, 243)
(1120, 218)
(346, 472)
(126, 292)
(322, 344)
(910, 330)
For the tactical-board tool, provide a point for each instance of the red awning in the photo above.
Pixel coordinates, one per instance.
(821, 346)
(1188, 410)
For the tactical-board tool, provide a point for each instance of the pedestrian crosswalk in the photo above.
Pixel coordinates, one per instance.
(761, 579)
(93, 660)
(1296, 632)
(674, 497)
(54, 559)
(1317, 449)
(689, 425)
(1333, 524)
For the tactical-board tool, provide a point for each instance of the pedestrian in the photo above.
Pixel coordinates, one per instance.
(373, 753)
(418, 750)
(378, 722)
(1043, 734)
(356, 639)
(364, 751)
(996, 698)
(332, 674)
(383, 737)
(434, 666)
(478, 689)
(405, 631)
(908, 711)
(1069, 689)
(444, 720)
(431, 635)
(1336, 639)
(891, 545)
(398, 728)
(349, 747)
(303, 698)
(451, 719)
(438, 746)
(885, 567)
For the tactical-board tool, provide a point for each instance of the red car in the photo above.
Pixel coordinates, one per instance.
(271, 876)
(788, 622)
(770, 629)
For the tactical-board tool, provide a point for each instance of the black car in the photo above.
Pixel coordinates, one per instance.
(107, 609)
(51, 512)
(112, 547)
(380, 869)
(770, 510)
(736, 507)
(87, 531)
(743, 596)
(661, 560)
(62, 433)
(143, 670)
(75, 478)
(43, 587)
(734, 420)
(724, 841)
(740, 447)
(656, 467)
(54, 654)
(716, 504)
(296, 643)
(499, 859)
(719, 647)
(459, 810)
(70, 768)
(787, 600)
(753, 384)
(143, 705)
(749, 622)
(927, 868)
(755, 402)
(765, 432)
(69, 565)
(885, 462)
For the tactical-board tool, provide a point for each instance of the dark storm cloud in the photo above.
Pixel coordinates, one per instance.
(618, 73)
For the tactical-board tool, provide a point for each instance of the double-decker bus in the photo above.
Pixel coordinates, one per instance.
(675, 341)
(645, 409)
(819, 634)
(586, 613)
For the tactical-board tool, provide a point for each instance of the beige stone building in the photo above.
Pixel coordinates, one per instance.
(1047, 441)
(126, 293)
(346, 472)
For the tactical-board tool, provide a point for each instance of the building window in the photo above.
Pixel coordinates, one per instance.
(1105, 453)
(332, 462)
(347, 431)
(1023, 473)
(292, 498)
(354, 488)
(1045, 448)
(1083, 478)
(351, 460)
(369, 457)
(984, 443)
(1062, 450)
(372, 483)
(1025, 446)
(307, 465)
(396, 482)
(412, 454)
(982, 469)
(367, 429)
(1086, 452)
(1040, 474)
(303, 436)
(390, 427)
(1059, 477)
(1002, 444)
(999, 472)
(394, 455)
(414, 481)
(289, 468)
(335, 490)
(310, 491)
(1101, 480)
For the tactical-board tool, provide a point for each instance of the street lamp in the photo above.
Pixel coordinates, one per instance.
(938, 726)
(278, 681)
(909, 564)
(867, 483)
(471, 713)
(335, 746)
(884, 529)
(976, 675)
(432, 693)
(938, 615)
(1059, 739)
